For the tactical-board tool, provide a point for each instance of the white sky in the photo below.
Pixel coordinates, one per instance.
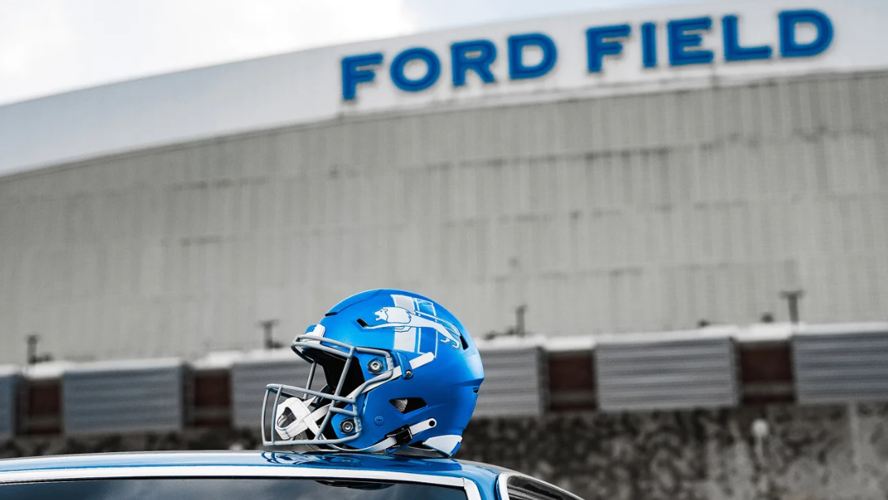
(50, 46)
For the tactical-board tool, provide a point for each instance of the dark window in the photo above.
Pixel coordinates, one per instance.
(227, 488)
(523, 488)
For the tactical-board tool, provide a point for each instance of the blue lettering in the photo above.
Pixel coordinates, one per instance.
(683, 35)
(733, 50)
(789, 20)
(649, 45)
(433, 69)
(355, 71)
(464, 60)
(518, 70)
(598, 46)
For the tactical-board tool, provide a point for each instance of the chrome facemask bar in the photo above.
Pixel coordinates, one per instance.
(308, 341)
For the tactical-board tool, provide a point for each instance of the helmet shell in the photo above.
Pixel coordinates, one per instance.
(440, 365)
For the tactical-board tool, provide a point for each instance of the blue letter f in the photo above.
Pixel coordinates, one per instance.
(354, 71)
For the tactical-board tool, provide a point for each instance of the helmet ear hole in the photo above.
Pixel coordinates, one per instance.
(407, 405)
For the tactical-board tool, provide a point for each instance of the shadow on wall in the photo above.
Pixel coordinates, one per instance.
(775, 452)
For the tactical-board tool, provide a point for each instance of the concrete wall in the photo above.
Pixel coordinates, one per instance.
(644, 212)
(814, 453)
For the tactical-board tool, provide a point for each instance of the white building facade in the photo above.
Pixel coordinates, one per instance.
(614, 172)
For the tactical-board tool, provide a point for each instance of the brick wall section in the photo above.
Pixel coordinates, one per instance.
(766, 373)
(571, 381)
(40, 407)
(211, 399)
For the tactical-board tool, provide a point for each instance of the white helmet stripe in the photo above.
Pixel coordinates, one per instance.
(445, 444)
(405, 338)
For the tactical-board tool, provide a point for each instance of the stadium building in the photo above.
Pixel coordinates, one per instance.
(614, 172)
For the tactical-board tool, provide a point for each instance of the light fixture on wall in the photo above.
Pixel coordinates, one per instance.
(33, 357)
(792, 299)
(268, 334)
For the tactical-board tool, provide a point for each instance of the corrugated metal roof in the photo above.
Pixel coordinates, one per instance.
(8, 384)
(841, 363)
(104, 398)
(671, 374)
(515, 384)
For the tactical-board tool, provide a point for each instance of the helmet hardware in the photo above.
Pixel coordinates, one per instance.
(347, 426)
(402, 436)
(369, 377)
(375, 366)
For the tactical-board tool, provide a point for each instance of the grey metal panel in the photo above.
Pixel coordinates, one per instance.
(8, 384)
(515, 384)
(249, 378)
(147, 397)
(650, 227)
(670, 374)
(835, 364)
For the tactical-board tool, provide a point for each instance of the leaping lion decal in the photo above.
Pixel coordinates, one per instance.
(402, 319)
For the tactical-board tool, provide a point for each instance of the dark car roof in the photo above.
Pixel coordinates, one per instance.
(480, 473)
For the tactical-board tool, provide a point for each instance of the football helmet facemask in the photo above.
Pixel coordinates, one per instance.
(401, 372)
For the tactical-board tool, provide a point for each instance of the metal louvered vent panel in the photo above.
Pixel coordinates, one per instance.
(514, 385)
(835, 364)
(248, 381)
(659, 375)
(8, 385)
(120, 399)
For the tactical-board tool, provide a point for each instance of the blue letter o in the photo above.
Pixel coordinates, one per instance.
(433, 69)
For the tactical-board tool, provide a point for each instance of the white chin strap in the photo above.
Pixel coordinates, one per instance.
(305, 419)
(299, 418)
(291, 424)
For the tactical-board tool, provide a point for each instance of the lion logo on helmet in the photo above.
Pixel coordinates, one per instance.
(402, 320)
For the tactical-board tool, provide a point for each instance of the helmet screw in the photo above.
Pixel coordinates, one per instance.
(408, 374)
(347, 426)
(375, 366)
(379, 420)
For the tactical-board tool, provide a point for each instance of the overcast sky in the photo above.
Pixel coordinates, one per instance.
(50, 46)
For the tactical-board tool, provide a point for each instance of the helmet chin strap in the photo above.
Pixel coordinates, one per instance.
(303, 418)
(401, 438)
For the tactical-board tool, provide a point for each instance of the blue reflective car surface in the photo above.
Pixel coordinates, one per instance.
(320, 461)
(260, 475)
(30, 477)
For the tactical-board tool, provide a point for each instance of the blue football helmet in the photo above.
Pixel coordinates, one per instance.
(401, 374)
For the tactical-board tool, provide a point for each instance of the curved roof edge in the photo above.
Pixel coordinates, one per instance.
(318, 461)
(309, 87)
